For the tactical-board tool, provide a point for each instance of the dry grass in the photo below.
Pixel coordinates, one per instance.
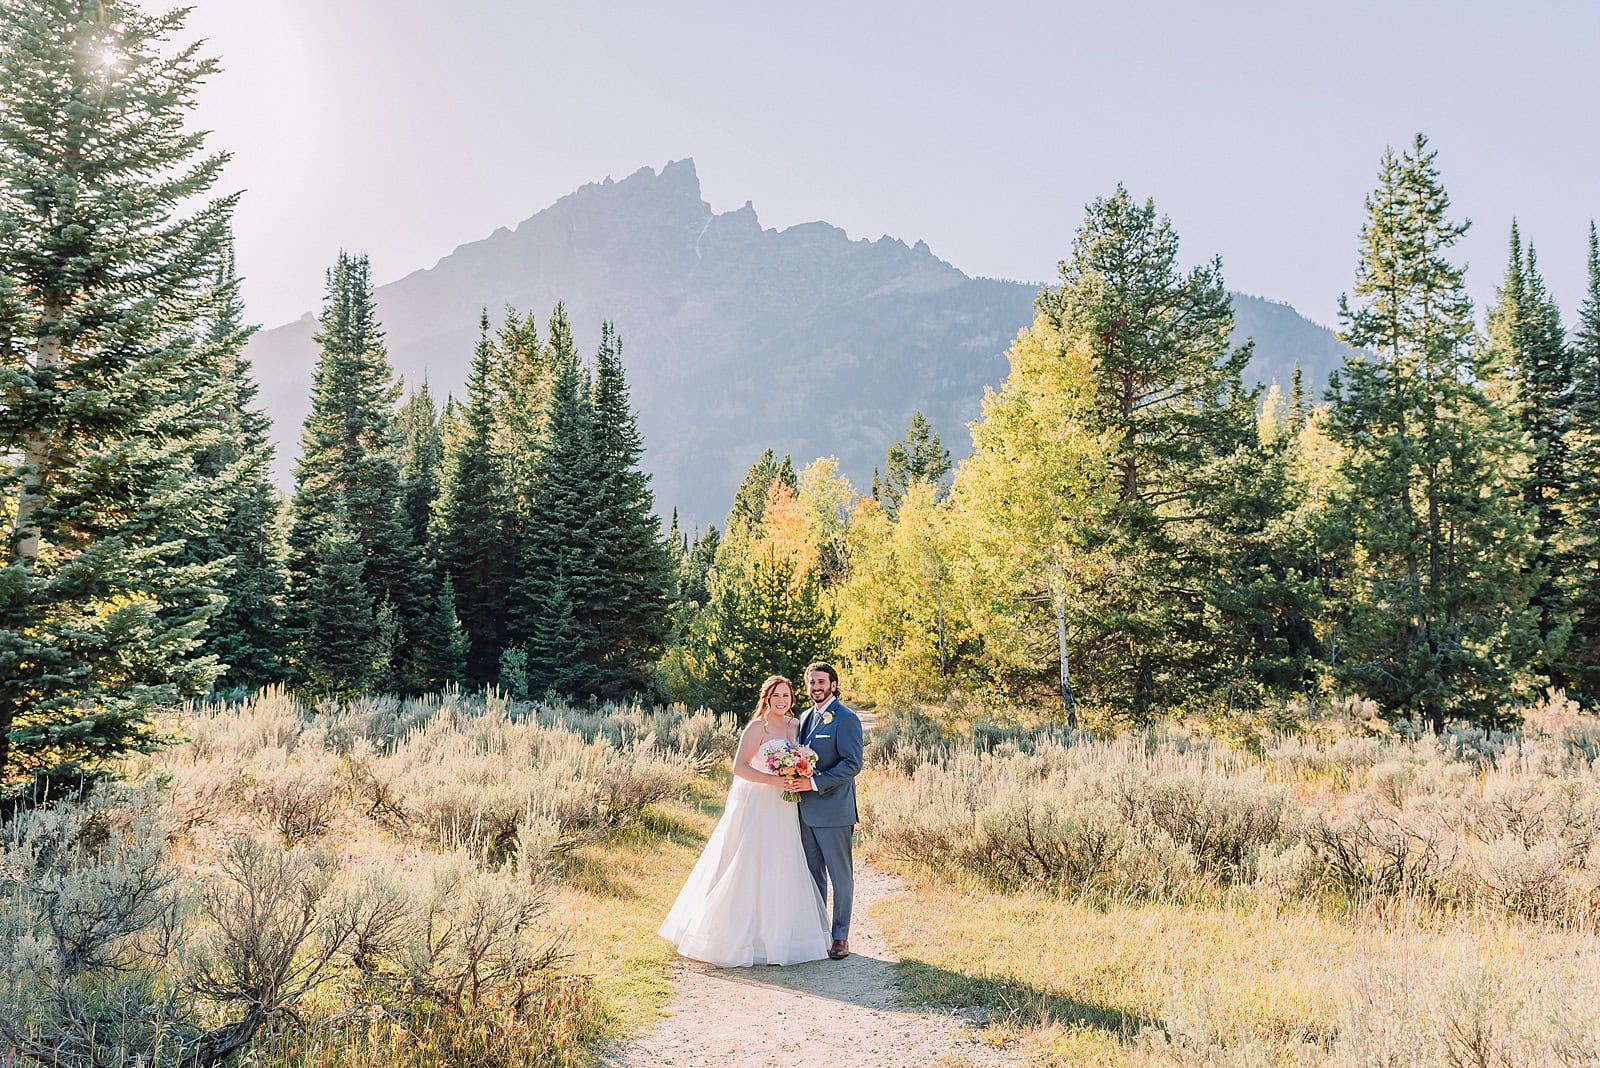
(612, 896)
(1418, 901)
(1163, 983)
(506, 874)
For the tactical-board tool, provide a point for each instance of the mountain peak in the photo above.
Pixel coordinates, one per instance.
(738, 338)
(677, 178)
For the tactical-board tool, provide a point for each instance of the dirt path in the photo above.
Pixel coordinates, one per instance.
(768, 1017)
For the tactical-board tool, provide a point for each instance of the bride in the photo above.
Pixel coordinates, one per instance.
(750, 898)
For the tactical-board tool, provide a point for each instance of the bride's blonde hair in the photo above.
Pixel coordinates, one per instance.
(765, 699)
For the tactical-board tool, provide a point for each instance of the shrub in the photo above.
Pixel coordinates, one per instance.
(1457, 1012)
(1084, 817)
(94, 912)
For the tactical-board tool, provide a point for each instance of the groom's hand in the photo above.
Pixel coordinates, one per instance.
(798, 786)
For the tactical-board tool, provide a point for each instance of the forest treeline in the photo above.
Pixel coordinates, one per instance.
(1135, 533)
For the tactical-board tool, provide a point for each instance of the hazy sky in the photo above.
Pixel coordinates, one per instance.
(404, 128)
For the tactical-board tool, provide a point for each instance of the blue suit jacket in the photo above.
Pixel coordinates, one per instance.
(838, 747)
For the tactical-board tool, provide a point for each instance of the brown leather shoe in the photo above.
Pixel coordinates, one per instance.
(839, 950)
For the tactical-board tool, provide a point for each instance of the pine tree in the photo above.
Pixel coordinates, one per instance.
(442, 647)
(1433, 536)
(522, 401)
(1168, 392)
(918, 457)
(1266, 595)
(750, 499)
(476, 549)
(559, 571)
(349, 470)
(634, 579)
(247, 633)
(107, 247)
(1528, 353)
(450, 437)
(340, 613)
(1581, 664)
(421, 456)
(1299, 401)
(698, 565)
(763, 619)
(559, 651)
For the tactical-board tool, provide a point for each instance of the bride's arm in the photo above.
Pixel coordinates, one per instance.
(749, 742)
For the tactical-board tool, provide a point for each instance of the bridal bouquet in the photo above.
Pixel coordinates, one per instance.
(783, 757)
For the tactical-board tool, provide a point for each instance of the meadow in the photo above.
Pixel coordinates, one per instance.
(1346, 893)
(461, 879)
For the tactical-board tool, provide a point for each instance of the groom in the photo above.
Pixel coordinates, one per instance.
(828, 798)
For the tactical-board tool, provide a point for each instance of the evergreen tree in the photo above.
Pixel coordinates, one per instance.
(421, 457)
(349, 471)
(762, 619)
(560, 649)
(442, 647)
(477, 553)
(247, 633)
(450, 437)
(522, 396)
(750, 499)
(1299, 401)
(1528, 352)
(107, 248)
(1266, 594)
(559, 572)
(1432, 532)
(522, 401)
(918, 457)
(633, 569)
(702, 557)
(1581, 664)
(1168, 393)
(339, 611)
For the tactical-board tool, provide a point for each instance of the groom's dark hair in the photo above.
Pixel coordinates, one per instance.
(827, 669)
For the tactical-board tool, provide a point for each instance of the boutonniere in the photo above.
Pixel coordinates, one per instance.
(827, 718)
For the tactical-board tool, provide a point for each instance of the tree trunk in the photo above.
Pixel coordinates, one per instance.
(938, 600)
(1067, 702)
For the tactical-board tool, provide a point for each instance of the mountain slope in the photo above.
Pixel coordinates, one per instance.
(735, 337)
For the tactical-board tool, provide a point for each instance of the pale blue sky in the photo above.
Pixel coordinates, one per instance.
(406, 127)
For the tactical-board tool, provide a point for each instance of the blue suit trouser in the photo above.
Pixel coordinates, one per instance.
(828, 856)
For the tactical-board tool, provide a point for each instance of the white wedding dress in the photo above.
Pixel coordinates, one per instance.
(750, 898)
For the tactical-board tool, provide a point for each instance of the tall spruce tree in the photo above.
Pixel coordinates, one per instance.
(1435, 541)
(522, 400)
(917, 457)
(476, 550)
(339, 611)
(442, 647)
(1167, 388)
(1266, 594)
(522, 403)
(1528, 352)
(421, 456)
(349, 472)
(634, 573)
(108, 245)
(559, 575)
(247, 633)
(1580, 666)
